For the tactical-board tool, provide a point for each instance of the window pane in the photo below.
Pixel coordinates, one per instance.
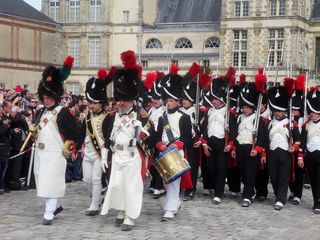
(237, 9)
(183, 43)
(245, 11)
(236, 59)
(282, 7)
(273, 7)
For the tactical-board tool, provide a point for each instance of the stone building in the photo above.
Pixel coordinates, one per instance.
(281, 35)
(29, 41)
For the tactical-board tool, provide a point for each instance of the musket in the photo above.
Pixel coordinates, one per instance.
(290, 123)
(277, 70)
(227, 118)
(31, 132)
(305, 98)
(256, 123)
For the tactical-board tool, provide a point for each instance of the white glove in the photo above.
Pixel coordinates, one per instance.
(104, 159)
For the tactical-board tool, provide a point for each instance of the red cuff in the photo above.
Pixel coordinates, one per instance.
(234, 148)
(179, 144)
(296, 147)
(159, 145)
(263, 154)
(295, 124)
(231, 144)
(300, 155)
(259, 149)
(202, 140)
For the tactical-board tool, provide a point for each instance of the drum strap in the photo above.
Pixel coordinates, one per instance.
(167, 129)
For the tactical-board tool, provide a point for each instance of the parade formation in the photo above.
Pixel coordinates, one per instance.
(165, 131)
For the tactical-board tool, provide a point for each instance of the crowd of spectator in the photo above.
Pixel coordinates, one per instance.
(18, 108)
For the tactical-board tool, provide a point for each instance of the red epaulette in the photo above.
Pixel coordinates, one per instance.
(204, 109)
(72, 112)
(265, 120)
(233, 112)
(295, 124)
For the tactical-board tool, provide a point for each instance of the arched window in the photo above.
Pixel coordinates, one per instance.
(153, 43)
(212, 42)
(183, 43)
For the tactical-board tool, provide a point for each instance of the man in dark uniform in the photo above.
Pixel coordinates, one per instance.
(174, 131)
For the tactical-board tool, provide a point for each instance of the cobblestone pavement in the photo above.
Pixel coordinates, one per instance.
(21, 217)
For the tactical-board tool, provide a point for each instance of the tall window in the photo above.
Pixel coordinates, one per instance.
(183, 43)
(73, 87)
(240, 48)
(276, 46)
(54, 6)
(95, 10)
(241, 8)
(74, 50)
(74, 11)
(126, 16)
(277, 7)
(94, 52)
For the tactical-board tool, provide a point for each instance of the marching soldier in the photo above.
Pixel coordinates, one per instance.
(157, 110)
(296, 185)
(125, 188)
(188, 100)
(56, 133)
(280, 146)
(214, 134)
(95, 157)
(174, 131)
(248, 149)
(311, 145)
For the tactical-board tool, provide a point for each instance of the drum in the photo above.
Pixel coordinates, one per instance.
(171, 165)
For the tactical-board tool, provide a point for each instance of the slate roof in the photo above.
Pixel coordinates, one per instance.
(20, 8)
(191, 11)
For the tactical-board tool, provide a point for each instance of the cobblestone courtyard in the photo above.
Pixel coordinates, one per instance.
(21, 218)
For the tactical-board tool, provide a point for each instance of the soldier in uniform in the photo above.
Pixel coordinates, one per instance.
(247, 148)
(125, 188)
(56, 133)
(311, 145)
(157, 110)
(214, 135)
(280, 146)
(174, 131)
(296, 185)
(95, 157)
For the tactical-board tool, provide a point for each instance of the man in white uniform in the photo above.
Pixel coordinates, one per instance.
(56, 134)
(125, 188)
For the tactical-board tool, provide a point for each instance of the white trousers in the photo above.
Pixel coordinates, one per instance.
(92, 173)
(172, 202)
(51, 205)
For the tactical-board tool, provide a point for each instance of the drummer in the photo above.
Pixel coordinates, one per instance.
(174, 131)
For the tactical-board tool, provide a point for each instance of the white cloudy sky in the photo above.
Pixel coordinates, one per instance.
(34, 3)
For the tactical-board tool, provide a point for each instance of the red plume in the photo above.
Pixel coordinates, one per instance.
(194, 70)
(129, 60)
(243, 78)
(151, 77)
(233, 81)
(174, 69)
(139, 72)
(102, 73)
(231, 72)
(112, 72)
(160, 75)
(69, 61)
(314, 88)
(288, 83)
(260, 71)
(260, 83)
(205, 81)
(299, 84)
